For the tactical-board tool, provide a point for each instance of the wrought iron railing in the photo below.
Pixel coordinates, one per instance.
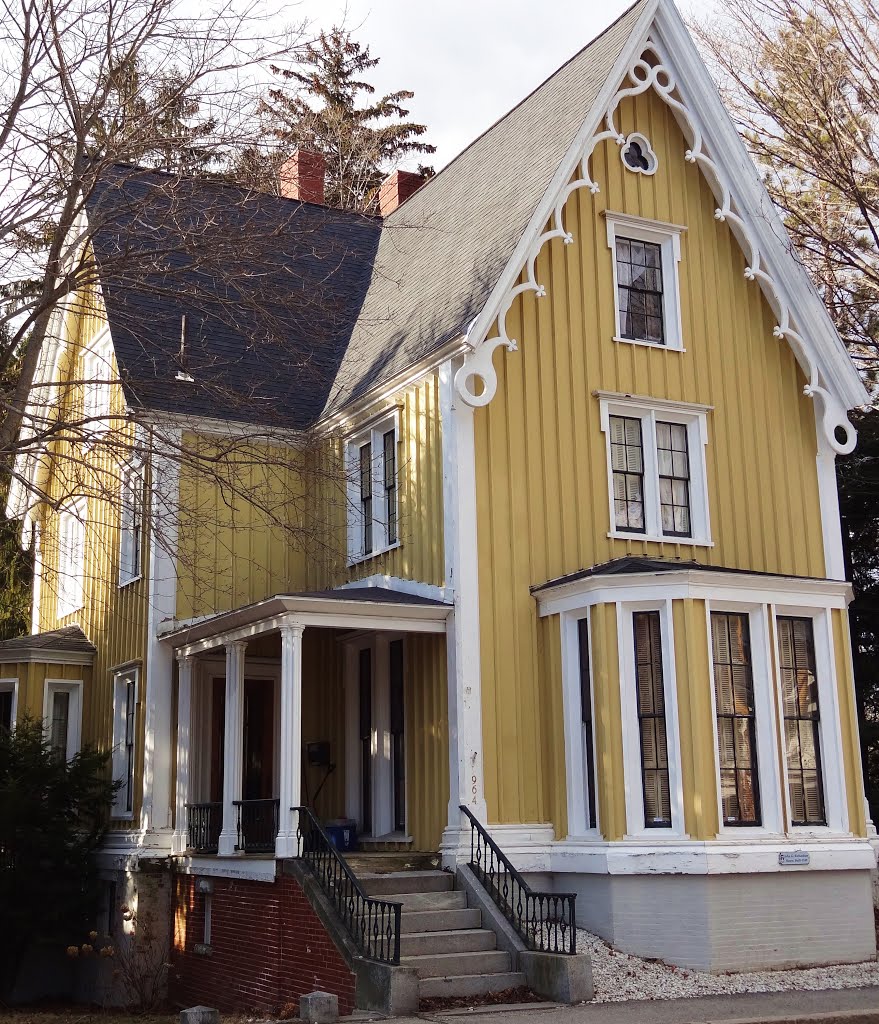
(257, 825)
(373, 923)
(204, 823)
(545, 921)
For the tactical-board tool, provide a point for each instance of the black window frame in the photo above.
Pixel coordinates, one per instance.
(389, 473)
(627, 291)
(673, 477)
(626, 474)
(129, 739)
(796, 721)
(586, 719)
(364, 454)
(656, 715)
(749, 718)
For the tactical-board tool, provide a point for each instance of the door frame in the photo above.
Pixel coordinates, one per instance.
(382, 790)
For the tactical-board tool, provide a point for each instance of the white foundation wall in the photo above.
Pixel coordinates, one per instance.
(730, 922)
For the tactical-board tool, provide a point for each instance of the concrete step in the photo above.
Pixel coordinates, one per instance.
(462, 940)
(444, 965)
(469, 984)
(391, 884)
(431, 900)
(438, 920)
(380, 863)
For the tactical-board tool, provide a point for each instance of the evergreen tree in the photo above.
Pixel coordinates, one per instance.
(319, 106)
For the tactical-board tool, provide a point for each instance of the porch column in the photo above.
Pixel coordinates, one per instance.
(180, 839)
(233, 748)
(290, 782)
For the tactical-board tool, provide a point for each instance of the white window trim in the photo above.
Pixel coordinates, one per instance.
(74, 720)
(576, 768)
(119, 761)
(768, 779)
(648, 410)
(374, 435)
(71, 594)
(11, 686)
(668, 237)
(97, 364)
(635, 828)
(829, 731)
(129, 500)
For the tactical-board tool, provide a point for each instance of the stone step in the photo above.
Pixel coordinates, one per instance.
(438, 920)
(444, 965)
(431, 900)
(392, 883)
(469, 984)
(381, 863)
(462, 940)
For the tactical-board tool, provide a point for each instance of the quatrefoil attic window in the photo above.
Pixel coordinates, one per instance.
(637, 154)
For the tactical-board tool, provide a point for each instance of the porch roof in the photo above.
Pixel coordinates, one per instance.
(370, 608)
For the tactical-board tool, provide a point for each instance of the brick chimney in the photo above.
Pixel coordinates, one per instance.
(396, 189)
(302, 177)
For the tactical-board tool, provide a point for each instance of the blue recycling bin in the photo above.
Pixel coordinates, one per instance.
(343, 834)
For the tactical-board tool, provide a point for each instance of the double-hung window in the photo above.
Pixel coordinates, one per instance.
(71, 558)
(61, 713)
(657, 478)
(586, 719)
(645, 256)
(652, 724)
(802, 718)
(131, 523)
(736, 718)
(124, 741)
(373, 490)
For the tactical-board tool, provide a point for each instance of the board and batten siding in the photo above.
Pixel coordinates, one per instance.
(114, 618)
(542, 482)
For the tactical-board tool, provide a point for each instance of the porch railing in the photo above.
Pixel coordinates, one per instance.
(257, 825)
(373, 923)
(545, 921)
(204, 823)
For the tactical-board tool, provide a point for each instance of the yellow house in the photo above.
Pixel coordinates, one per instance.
(551, 534)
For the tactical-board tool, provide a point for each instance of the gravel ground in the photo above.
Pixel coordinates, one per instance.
(619, 977)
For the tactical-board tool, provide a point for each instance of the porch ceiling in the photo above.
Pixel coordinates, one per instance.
(368, 608)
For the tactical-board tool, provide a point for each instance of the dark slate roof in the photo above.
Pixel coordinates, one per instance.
(70, 638)
(293, 310)
(634, 564)
(270, 289)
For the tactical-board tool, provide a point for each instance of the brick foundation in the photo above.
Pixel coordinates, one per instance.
(267, 947)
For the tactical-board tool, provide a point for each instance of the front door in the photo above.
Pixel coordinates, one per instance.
(377, 738)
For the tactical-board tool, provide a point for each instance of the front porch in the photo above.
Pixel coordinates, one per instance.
(335, 702)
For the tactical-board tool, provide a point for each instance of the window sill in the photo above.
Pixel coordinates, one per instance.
(662, 539)
(667, 347)
(134, 579)
(122, 816)
(360, 559)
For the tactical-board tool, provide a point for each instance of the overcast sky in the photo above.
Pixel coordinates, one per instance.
(468, 61)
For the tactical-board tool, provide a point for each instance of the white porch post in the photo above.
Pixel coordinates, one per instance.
(179, 841)
(290, 782)
(233, 749)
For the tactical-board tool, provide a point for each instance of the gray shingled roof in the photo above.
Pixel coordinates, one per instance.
(442, 252)
(366, 299)
(70, 638)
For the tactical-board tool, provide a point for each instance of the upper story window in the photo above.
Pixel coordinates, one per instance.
(656, 468)
(71, 558)
(802, 718)
(647, 303)
(97, 375)
(124, 720)
(131, 523)
(373, 511)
